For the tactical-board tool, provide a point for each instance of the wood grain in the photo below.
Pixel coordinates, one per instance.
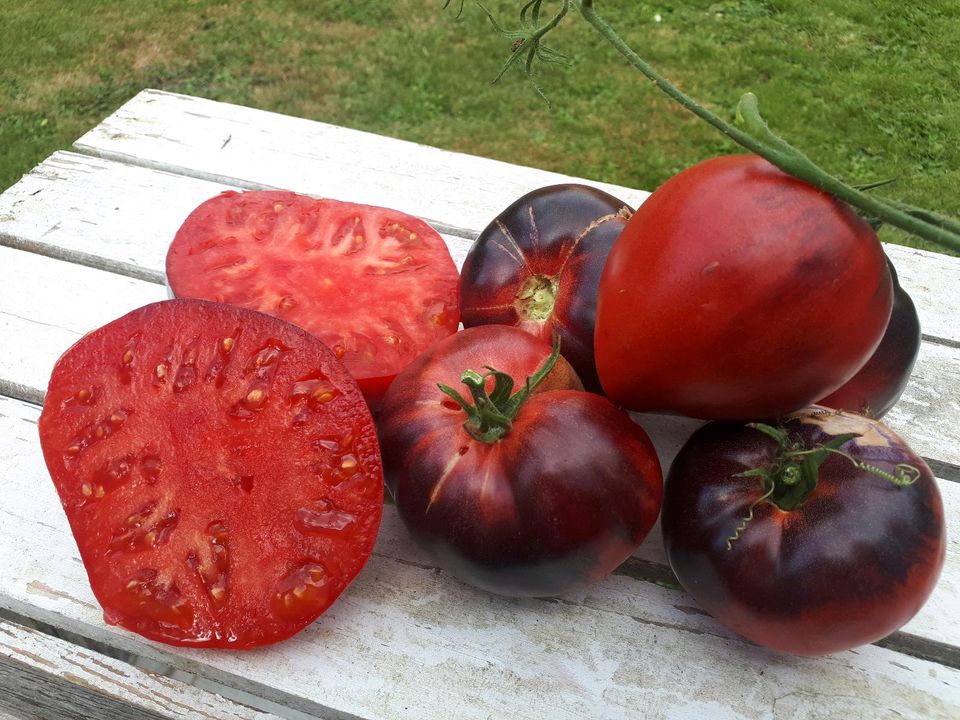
(45, 677)
(253, 149)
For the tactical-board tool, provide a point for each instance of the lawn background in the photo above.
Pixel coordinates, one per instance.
(868, 89)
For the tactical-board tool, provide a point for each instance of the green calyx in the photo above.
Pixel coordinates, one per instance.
(790, 479)
(792, 476)
(491, 415)
(536, 298)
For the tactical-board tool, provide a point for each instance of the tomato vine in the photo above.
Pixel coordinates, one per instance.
(750, 132)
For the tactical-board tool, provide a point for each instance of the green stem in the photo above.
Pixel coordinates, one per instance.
(491, 416)
(760, 140)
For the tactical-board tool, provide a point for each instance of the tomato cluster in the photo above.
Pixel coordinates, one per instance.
(223, 474)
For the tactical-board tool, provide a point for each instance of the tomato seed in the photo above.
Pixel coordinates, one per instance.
(255, 398)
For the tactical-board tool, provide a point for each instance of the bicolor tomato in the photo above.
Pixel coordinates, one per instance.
(881, 381)
(815, 536)
(537, 491)
(738, 292)
(537, 266)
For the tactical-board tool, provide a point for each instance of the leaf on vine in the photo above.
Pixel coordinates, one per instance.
(446, 4)
(527, 41)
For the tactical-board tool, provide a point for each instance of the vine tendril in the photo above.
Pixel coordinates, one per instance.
(748, 518)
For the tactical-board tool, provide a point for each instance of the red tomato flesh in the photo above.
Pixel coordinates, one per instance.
(219, 469)
(376, 285)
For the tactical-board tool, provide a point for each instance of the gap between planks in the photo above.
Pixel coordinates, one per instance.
(248, 704)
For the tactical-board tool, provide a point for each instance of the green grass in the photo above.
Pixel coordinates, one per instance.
(868, 89)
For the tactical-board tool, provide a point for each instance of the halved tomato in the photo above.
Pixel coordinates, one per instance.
(219, 469)
(376, 285)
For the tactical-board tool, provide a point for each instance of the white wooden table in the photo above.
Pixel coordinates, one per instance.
(82, 241)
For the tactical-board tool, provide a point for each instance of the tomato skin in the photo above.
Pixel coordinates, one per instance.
(738, 292)
(881, 381)
(556, 504)
(560, 234)
(376, 285)
(219, 469)
(851, 565)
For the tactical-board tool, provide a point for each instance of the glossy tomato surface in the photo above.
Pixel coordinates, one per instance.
(738, 292)
(537, 267)
(558, 502)
(376, 285)
(881, 381)
(849, 566)
(219, 469)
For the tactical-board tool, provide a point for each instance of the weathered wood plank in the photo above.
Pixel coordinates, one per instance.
(110, 215)
(46, 305)
(45, 677)
(253, 148)
(406, 640)
(122, 218)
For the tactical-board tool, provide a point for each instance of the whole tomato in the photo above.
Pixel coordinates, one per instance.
(737, 292)
(535, 492)
(879, 384)
(537, 266)
(810, 538)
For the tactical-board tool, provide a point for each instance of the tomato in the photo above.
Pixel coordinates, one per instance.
(881, 381)
(376, 285)
(538, 493)
(738, 292)
(843, 556)
(537, 266)
(219, 469)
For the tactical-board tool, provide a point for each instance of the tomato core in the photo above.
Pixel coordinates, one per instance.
(536, 298)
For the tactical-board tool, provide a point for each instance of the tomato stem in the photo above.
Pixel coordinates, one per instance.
(536, 298)
(793, 474)
(755, 134)
(491, 416)
(761, 140)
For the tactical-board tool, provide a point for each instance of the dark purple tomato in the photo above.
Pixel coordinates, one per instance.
(879, 384)
(537, 267)
(548, 501)
(799, 548)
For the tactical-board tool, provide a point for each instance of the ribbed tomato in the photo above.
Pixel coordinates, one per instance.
(812, 537)
(537, 492)
(219, 469)
(537, 266)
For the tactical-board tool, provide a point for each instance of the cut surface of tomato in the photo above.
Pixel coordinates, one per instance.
(220, 471)
(376, 285)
